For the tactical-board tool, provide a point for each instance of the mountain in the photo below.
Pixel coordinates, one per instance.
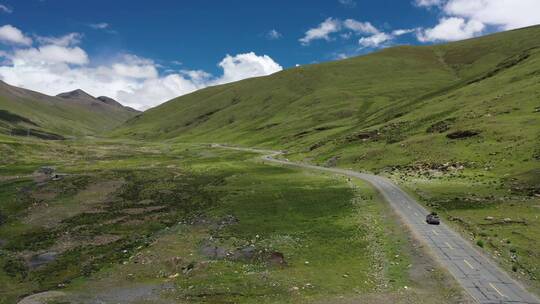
(28, 113)
(115, 103)
(474, 101)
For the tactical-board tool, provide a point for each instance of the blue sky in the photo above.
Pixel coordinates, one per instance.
(146, 43)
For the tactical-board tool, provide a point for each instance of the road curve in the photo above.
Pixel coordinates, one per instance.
(474, 271)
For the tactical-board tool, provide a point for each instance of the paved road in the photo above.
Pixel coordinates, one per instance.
(476, 273)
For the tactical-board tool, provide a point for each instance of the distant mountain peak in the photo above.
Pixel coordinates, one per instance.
(114, 103)
(78, 93)
(109, 101)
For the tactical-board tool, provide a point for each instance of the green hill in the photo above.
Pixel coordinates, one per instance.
(394, 107)
(458, 125)
(28, 113)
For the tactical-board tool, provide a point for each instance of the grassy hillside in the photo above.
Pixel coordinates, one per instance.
(24, 112)
(465, 101)
(458, 124)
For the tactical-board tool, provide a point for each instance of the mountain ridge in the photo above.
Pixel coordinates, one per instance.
(68, 114)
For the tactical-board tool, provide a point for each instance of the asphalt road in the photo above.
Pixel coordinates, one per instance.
(474, 271)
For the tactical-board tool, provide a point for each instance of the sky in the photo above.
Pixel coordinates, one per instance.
(143, 53)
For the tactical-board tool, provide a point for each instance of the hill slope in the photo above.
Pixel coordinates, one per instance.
(457, 124)
(24, 112)
(362, 107)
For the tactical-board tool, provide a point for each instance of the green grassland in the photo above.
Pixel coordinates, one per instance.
(152, 213)
(458, 124)
(175, 223)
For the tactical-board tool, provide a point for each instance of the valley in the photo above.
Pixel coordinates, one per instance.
(103, 203)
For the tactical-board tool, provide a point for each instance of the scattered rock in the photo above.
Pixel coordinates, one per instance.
(277, 259)
(211, 250)
(188, 268)
(245, 254)
(47, 170)
(332, 162)
(462, 134)
(441, 126)
(42, 259)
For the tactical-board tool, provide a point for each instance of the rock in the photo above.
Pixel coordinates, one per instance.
(210, 250)
(246, 253)
(507, 220)
(489, 218)
(47, 170)
(332, 162)
(277, 259)
(42, 259)
(462, 134)
(188, 268)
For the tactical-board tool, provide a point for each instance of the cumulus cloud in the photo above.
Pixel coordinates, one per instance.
(51, 54)
(5, 9)
(376, 40)
(334, 25)
(450, 29)
(59, 66)
(469, 18)
(360, 27)
(371, 37)
(323, 31)
(246, 65)
(428, 3)
(273, 35)
(12, 35)
(503, 13)
(66, 40)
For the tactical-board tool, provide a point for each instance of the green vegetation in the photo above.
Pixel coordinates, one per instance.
(28, 113)
(458, 124)
(152, 213)
(188, 223)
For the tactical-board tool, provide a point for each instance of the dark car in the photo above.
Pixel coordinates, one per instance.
(433, 219)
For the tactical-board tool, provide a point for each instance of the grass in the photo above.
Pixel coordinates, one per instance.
(165, 205)
(455, 124)
(457, 121)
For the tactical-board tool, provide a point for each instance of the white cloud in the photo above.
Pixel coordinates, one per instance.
(273, 35)
(507, 14)
(12, 35)
(246, 65)
(360, 27)
(66, 40)
(428, 3)
(375, 41)
(372, 37)
(132, 80)
(5, 9)
(323, 31)
(401, 32)
(99, 26)
(347, 3)
(469, 18)
(51, 54)
(451, 29)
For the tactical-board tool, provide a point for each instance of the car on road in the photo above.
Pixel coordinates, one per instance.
(433, 219)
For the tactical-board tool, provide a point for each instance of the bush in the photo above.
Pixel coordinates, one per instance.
(480, 243)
